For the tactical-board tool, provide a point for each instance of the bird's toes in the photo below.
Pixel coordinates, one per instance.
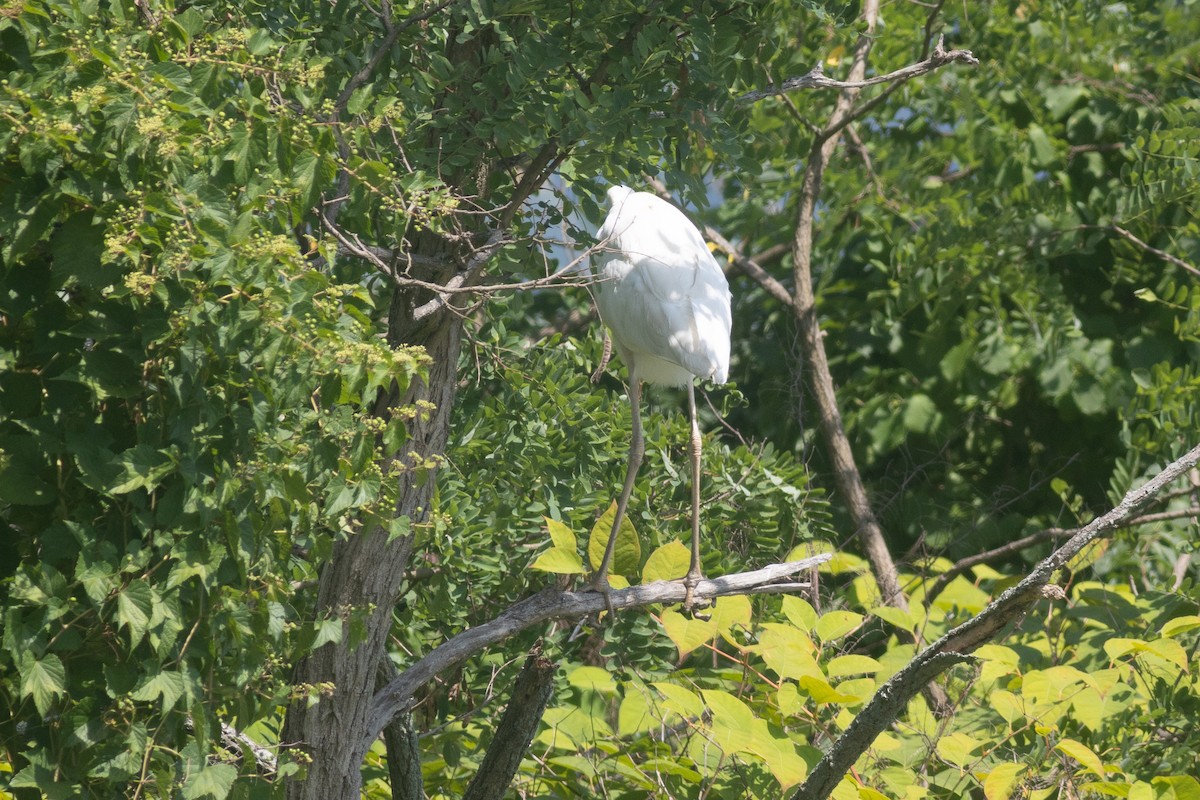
(690, 604)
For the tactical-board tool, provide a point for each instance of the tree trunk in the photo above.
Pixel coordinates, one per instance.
(364, 577)
(533, 690)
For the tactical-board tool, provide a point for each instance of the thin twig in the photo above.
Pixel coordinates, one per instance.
(1165, 256)
(1017, 545)
(816, 79)
(750, 267)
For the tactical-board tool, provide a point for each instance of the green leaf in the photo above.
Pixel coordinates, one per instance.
(592, 678)
(1178, 625)
(680, 700)
(144, 468)
(77, 247)
(42, 679)
(851, 665)
(898, 617)
(821, 692)
(731, 720)
(213, 782)
(1007, 705)
(634, 714)
(627, 556)
(562, 536)
(1001, 780)
(799, 612)
(134, 607)
(788, 650)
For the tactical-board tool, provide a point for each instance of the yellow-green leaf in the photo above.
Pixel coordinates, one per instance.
(731, 720)
(627, 556)
(1007, 705)
(634, 715)
(895, 616)
(851, 665)
(730, 611)
(680, 700)
(1088, 705)
(561, 535)
(837, 624)
(799, 612)
(1170, 651)
(956, 748)
(1083, 754)
(593, 678)
(1185, 787)
(820, 691)
(779, 754)
(844, 562)
(788, 699)
(688, 632)
(1118, 646)
(1000, 782)
(1142, 791)
(559, 560)
(667, 563)
(787, 650)
(1174, 627)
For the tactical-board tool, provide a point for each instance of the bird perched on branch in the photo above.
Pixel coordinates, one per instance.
(666, 302)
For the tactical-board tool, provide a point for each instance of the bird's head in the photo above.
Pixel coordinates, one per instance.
(618, 194)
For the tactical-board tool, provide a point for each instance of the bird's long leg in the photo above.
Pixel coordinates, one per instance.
(636, 449)
(694, 573)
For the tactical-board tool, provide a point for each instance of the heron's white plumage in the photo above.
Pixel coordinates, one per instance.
(661, 292)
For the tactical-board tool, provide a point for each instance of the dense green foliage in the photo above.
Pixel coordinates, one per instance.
(188, 368)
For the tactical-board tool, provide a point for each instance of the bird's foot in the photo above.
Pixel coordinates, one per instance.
(690, 604)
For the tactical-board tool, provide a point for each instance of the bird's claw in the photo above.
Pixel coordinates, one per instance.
(690, 604)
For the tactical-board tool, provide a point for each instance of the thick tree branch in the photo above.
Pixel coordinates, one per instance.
(403, 746)
(533, 690)
(551, 604)
(954, 647)
(816, 79)
(846, 475)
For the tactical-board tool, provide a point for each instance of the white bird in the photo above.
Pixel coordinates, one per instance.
(665, 300)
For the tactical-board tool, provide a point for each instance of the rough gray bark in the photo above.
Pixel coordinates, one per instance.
(403, 747)
(551, 604)
(532, 692)
(846, 476)
(364, 576)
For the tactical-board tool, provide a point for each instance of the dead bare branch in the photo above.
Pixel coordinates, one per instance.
(550, 604)
(816, 79)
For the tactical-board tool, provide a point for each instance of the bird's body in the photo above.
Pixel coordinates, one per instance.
(665, 300)
(661, 292)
